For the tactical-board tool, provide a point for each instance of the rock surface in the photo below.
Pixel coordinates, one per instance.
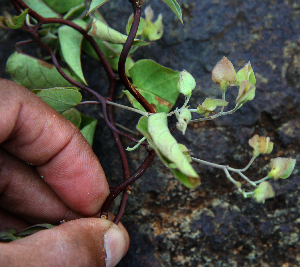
(212, 225)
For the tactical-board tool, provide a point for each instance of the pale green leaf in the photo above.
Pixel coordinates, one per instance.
(34, 73)
(16, 22)
(41, 8)
(95, 4)
(103, 32)
(88, 127)
(188, 181)
(175, 8)
(156, 83)
(62, 6)
(60, 98)
(70, 43)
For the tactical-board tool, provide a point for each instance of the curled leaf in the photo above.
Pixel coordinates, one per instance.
(246, 92)
(16, 22)
(188, 181)
(183, 117)
(261, 144)
(263, 192)
(246, 74)
(281, 168)
(167, 144)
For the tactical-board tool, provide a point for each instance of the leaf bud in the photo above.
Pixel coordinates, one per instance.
(186, 83)
(260, 144)
(263, 192)
(224, 74)
(246, 92)
(281, 168)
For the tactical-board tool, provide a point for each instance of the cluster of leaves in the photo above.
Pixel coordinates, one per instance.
(43, 79)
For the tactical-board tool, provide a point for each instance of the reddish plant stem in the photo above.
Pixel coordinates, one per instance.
(121, 187)
(123, 57)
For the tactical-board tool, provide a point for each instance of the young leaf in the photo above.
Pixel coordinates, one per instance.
(63, 6)
(70, 44)
(41, 8)
(175, 8)
(88, 127)
(16, 22)
(103, 32)
(60, 98)
(188, 181)
(95, 4)
(156, 83)
(34, 73)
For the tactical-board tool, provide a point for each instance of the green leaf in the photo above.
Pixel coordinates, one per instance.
(175, 8)
(34, 73)
(70, 43)
(103, 32)
(63, 6)
(41, 8)
(8, 235)
(111, 53)
(156, 83)
(188, 181)
(74, 116)
(95, 4)
(34, 229)
(60, 98)
(88, 127)
(16, 22)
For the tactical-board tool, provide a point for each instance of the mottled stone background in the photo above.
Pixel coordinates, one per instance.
(212, 225)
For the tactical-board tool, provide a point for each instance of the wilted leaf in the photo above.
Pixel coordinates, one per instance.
(41, 8)
(74, 116)
(34, 73)
(88, 127)
(188, 181)
(175, 8)
(60, 98)
(156, 83)
(62, 6)
(103, 32)
(16, 22)
(95, 4)
(70, 44)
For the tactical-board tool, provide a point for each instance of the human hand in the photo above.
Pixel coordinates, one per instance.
(64, 181)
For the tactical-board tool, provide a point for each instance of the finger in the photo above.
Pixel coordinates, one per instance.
(32, 131)
(24, 194)
(83, 242)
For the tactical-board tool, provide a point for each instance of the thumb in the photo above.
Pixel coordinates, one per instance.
(82, 242)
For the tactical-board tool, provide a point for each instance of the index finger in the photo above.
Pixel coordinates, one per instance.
(34, 132)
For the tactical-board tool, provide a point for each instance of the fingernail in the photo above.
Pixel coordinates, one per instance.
(115, 245)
